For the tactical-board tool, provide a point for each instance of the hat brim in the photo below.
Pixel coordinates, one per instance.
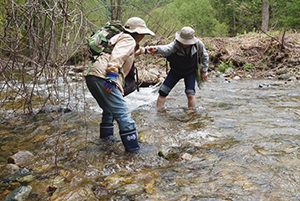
(143, 31)
(185, 41)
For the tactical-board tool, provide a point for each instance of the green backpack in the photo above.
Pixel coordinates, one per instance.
(99, 41)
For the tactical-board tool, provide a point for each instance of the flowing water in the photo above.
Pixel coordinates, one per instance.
(240, 143)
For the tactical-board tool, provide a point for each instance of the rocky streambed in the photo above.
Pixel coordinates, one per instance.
(240, 143)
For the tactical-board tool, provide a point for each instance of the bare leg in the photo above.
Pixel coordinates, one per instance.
(160, 102)
(191, 101)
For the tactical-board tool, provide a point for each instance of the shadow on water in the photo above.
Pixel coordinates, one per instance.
(240, 143)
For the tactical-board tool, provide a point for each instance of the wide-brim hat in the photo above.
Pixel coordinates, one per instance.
(186, 36)
(137, 25)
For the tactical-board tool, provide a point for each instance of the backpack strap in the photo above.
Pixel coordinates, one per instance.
(198, 69)
(198, 53)
(115, 29)
(92, 63)
(137, 80)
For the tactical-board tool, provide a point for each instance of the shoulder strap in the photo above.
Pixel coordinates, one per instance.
(198, 52)
(198, 70)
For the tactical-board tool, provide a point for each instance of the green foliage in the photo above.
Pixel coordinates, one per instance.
(201, 18)
(292, 19)
(220, 30)
(207, 17)
(191, 13)
(245, 15)
(249, 67)
(2, 17)
(224, 66)
(162, 24)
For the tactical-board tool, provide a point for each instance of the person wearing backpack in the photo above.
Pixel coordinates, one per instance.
(105, 81)
(184, 54)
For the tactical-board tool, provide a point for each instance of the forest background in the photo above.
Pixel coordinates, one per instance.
(41, 39)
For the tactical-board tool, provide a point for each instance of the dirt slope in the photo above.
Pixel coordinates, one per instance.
(254, 54)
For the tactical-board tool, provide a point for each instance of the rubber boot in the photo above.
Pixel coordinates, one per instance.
(106, 130)
(130, 140)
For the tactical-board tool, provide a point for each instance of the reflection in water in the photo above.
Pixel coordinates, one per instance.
(240, 143)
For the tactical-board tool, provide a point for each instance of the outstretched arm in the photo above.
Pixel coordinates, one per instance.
(162, 49)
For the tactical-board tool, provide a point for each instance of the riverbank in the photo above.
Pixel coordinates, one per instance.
(253, 55)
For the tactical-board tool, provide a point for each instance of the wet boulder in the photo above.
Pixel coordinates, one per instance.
(22, 158)
(8, 169)
(54, 109)
(147, 78)
(169, 153)
(16, 176)
(19, 194)
(77, 193)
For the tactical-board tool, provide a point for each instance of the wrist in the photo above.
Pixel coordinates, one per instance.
(112, 76)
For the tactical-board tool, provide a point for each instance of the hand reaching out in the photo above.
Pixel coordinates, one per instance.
(151, 49)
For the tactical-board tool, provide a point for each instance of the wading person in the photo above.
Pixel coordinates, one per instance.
(105, 82)
(183, 54)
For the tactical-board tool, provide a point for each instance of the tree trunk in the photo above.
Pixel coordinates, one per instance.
(265, 15)
(113, 10)
(116, 9)
(120, 9)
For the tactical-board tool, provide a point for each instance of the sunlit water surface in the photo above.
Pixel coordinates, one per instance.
(240, 143)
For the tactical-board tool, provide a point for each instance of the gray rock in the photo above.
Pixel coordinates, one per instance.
(281, 71)
(52, 109)
(285, 76)
(131, 189)
(22, 158)
(71, 73)
(9, 169)
(229, 70)
(293, 79)
(19, 194)
(16, 176)
(236, 77)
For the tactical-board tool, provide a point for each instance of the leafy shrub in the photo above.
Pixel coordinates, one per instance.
(224, 66)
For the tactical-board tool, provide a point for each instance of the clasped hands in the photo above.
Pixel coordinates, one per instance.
(151, 49)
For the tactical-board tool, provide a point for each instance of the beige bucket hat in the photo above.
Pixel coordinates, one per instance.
(186, 36)
(137, 25)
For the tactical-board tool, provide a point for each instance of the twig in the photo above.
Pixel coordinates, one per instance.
(281, 43)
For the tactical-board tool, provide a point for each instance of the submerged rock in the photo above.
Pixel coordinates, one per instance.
(19, 194)
(169, 153)
(9, 169)
(53, 108)
(16, 176)
(78, 193)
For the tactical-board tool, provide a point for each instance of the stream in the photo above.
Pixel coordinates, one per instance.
(240, 143)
